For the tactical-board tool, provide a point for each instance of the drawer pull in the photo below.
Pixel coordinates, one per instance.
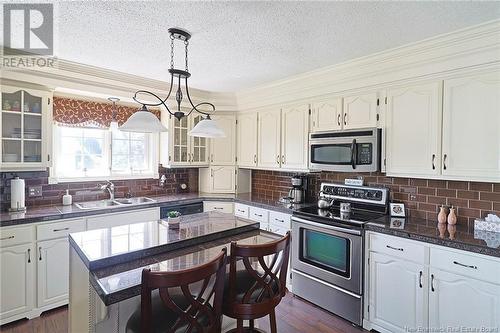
(464, 265)
(259, 215)
(432, 282)
(62, 229)
(395, 248)
(420, 279)
(218, 208)
(241, 210)
(278, 220)
(9, 237)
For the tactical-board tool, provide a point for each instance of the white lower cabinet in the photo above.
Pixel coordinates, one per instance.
(397, 293)
(218, 206)
(53, 271)
(458, 301)
(17, 281)
(430, 290)
(117, 219)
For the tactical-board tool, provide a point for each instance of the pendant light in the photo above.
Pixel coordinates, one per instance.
(143, 121)
(113, 125)
(205, 128)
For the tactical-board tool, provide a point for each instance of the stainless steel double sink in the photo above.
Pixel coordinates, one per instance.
(114, 203)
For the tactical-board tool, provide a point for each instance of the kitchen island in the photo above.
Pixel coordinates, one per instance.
(106, 264)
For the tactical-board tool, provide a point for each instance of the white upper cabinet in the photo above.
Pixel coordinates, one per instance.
(247, 139)
(294, 137)
(25, 128)
(471, 127)
(182, 150)
(269, 139)
(413, 130)
(360, 111)
(458, 301)
(223, 150)
(218, 179)
(326, 115)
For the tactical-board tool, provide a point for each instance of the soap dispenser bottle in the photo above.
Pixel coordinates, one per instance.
(67, 199)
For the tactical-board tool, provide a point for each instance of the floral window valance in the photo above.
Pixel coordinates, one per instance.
(80, 113)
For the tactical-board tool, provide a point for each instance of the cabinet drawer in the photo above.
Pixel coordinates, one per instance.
(219, 206)
(466, 264)
(258, 214)
(116, 219)
(278, 229)
(18, 235)
(241, 210)
(280, 220)
(397, 247)
(59, 229)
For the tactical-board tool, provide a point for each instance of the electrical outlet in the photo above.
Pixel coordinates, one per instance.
(35, 191)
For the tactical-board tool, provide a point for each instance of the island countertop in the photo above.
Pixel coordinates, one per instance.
(116, 245)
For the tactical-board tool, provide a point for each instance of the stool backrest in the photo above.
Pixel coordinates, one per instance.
(209, 280)
(266, 267)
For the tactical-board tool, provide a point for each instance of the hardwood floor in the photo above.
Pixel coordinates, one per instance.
(293, 315)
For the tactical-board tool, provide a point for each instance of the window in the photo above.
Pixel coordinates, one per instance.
(94, 153)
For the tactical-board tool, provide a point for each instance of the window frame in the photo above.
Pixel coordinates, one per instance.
(153, 160)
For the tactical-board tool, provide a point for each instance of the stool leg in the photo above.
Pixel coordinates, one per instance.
(272, 321)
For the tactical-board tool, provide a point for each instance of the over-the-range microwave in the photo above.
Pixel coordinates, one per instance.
(345, 151)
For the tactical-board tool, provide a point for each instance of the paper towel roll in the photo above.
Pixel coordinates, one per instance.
(17, 193)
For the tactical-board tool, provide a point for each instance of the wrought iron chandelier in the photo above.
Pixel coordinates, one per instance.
(205, 128)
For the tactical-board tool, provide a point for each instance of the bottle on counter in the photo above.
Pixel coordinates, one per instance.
(452, 217)
(67, 199)
(443, 212)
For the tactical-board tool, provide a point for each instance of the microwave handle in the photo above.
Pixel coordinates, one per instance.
(353, 153)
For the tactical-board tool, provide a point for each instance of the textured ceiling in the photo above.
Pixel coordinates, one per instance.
(237, 45)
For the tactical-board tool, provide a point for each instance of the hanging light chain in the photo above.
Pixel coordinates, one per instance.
(172, 51)
(186, 43)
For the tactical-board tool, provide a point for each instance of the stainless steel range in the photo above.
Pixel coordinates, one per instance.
(327, 251)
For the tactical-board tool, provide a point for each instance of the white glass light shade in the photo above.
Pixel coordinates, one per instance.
(207, 128)
(143, 121)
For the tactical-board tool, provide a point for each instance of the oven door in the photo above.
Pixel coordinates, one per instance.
(327, 252)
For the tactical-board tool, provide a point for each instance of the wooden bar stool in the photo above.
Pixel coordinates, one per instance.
(254, 290)
(183, 301)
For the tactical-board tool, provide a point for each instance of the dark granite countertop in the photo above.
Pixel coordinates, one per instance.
(120, 282)
(457, 237)
(112, 246)
(48, 213)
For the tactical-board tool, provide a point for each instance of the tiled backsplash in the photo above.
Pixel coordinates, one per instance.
(87, 191)
(422, 197)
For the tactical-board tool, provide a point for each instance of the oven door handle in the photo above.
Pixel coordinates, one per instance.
(353, 153)
(327, 226)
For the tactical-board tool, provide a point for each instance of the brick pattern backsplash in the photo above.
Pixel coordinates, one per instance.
(88, 191)
(422, 197)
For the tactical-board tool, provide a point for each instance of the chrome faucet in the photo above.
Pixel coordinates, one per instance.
(111, 189)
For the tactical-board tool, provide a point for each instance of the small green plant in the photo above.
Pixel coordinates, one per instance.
(173, 214)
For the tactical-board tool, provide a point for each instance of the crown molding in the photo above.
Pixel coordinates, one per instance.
(470, 47)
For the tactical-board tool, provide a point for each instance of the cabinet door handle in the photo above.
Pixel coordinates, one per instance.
(29, 256)
(444, 161)
(40, 253)
(8, 237)
(278, 159)
(420, 279)
(432, 282)
(259, 215)
(345, 118)
(241, 211)
(218, 208)
(282, 159)
(338, 119)
(464, 265)
(62, 229)
(433, 159)
(278, 220)
(255, 158)
(212, 158)
(395, 248)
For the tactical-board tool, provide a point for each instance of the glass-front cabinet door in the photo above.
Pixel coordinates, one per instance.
(180, 141)
(199, 146)
(23, 119)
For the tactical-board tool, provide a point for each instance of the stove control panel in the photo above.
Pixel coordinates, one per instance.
(372, 195)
